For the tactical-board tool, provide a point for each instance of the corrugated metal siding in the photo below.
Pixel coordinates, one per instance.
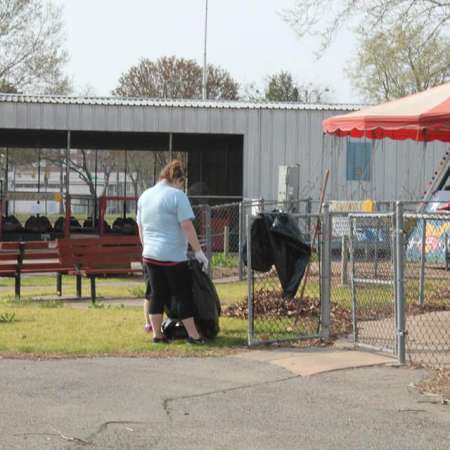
(272, 137)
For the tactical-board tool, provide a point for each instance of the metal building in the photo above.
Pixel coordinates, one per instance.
(234, 148)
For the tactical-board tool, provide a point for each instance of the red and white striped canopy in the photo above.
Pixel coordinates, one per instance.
(424, 116)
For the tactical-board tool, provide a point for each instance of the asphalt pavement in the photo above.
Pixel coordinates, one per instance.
(254, 400)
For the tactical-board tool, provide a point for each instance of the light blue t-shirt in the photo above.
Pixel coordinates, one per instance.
(161, 209)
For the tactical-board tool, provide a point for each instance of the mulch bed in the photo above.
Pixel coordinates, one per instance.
(438, 384)
(271, 305)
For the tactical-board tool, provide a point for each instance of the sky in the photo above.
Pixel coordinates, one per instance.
(247, 37)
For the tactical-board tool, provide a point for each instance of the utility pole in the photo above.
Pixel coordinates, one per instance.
(205, 66)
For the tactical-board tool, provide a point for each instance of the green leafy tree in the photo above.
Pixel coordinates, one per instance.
(400, 61)
(172, 77)
(32, 54)
(282, 87)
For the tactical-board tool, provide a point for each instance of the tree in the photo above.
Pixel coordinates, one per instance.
(306, 16)
(172, 77)
(400, 61)
(282, 87)
(32, 54)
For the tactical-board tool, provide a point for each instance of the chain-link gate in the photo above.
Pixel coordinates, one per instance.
(427, 288)
(372, 261)
(274, 318)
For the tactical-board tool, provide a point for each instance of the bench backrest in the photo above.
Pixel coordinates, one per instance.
(32, 256)
(105, 252)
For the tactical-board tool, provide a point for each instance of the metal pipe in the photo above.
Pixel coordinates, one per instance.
(205, 65)
(208, 236)
(352, 283)
(422, 263)
(170, 146)
(325, 292)
(250, 318)
(399, 291)
(7, 181)
(125, 185)
(344, 261)
(241, 240)
(95, 189)
(447, 254)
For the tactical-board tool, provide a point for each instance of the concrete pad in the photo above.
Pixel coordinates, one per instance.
(305, 363)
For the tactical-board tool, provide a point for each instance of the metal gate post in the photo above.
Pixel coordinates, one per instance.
(352, 282)
(325, 260)
(251, 319)
(399, 284)
(422, 263)
(241, 239)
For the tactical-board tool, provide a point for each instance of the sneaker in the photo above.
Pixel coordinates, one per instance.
(199, 341)
(160, 340)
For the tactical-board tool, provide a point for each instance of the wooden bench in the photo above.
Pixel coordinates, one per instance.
(17, 258)
(104, 255)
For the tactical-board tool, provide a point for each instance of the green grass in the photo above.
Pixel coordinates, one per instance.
(54, 330)
(219, 260)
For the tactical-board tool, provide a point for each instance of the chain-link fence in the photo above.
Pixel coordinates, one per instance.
(371, 247)
(369, 276)
(274, 314)
(427, 288)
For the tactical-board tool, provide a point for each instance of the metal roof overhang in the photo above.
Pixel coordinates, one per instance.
(109, 140)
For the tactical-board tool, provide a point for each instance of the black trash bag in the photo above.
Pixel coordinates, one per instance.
(173, 329)
(277, 240)
(290, 253)
(262, 259)
(206, 302)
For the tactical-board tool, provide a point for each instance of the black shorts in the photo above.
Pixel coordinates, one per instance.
(170, 287)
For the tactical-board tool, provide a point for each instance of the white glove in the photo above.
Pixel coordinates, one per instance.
(202, 259)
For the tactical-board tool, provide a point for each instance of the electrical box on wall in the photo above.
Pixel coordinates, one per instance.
(288, 184)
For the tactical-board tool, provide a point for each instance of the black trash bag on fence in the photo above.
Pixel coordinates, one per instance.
(291, 254)
(262, 258)
(276, 239)
(206, 308)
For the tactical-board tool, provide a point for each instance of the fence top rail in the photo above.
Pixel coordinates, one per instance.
(369, 215)
(444, 215)
(294, 215)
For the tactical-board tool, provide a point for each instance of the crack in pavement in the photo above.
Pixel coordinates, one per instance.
(166, 401)
(105, 425)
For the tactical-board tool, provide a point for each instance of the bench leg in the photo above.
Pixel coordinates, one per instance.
(17, 286)
(59, 284)
(93, 292)
(79, 286)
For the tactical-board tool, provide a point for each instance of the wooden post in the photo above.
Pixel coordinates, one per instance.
(226, 240)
